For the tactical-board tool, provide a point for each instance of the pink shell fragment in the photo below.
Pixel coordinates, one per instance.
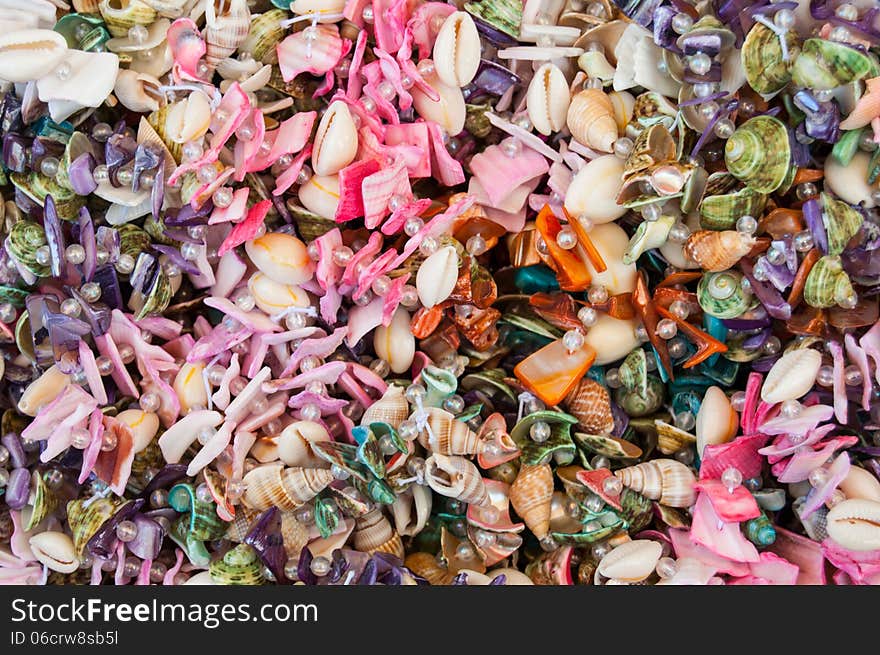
(298, 53)
(741, 453)
(732, 506)
(499, 174)
(247, 229)
(722, 538)
(836, 473)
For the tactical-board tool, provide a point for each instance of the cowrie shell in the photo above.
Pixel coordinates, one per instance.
(336, 141)
(548, 99)
(457, 50)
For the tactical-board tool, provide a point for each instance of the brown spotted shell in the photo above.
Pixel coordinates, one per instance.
(590, 404)
(718, 251)
(531, 494)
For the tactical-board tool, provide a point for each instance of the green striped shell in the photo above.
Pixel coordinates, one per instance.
(841, 221)
(122, 16)
(37, 186)
(720, 212)
(440, 384)
(265, 33)
(239, 566)
(636, 405)
(633, 372)
(132, 240)
(91, 38)
(827, 283)
(767, 71)
(86, 515)
(759, 154)
(44, 503)
(558, 446)
(823, 65)
(156, 120)
(637, 511)
(721, 294)
(202, 523)
(503, 15)
(24, 239)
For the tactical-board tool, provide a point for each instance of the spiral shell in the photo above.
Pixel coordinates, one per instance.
(426, 566)
(392, 408)
(456, 477)
(766, 67)
(239, 566)
(531, 495)
(264, 34)
(722, 295)
(121, 15)
(591, 120)
(759, 154)
(294, 534)
(447, 435)
(718, 251)
(24, 239)
(590, 403)
(665, 480)
(227, 23)
(827, 283)
(374, 533)
(824, 64)
(285, 488)
(841, 222)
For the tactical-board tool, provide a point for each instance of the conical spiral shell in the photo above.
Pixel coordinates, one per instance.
(447, 435)
(665, 480)
(303, 484)
(285, 488)
(530, 495)
(590, 404)
(294, 534)
(456, 477)
(718, 251)
(374, 533)
(227, 23)
(392, 408)
(591, 120)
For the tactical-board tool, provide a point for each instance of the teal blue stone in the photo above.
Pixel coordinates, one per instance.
(724, 371)
(697, 383)
(597, 374)
(282, 4)
(686, 401)
(661, 370)
(715, 327)
(46, 127)
(534, 279)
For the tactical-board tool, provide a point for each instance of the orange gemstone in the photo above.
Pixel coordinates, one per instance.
(552, 372)
(800, 279)
(571, 271)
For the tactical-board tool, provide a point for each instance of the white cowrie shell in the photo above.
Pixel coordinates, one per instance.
(336, 141)
(27, 55)
(547, 99)
(144, 426)
(320, 195)
(395, 343)
(282, 257)
(457, 50)
(449, 112)
(437, 276)
(792, 376)
(273, 297)
(188, 119)
(55, 550)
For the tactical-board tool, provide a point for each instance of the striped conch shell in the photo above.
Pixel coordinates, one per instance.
(226, 25)
(591, 120)
(392, 408)
(285, 488)
(373, 533)
(590, 404)
(446, 435)
(456, 477)
(718, 251)
(531, 494)
(665, 480)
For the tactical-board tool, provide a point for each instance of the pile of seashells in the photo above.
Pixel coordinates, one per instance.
(340, 292)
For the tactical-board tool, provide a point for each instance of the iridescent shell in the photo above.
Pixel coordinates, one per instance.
(759, 154)
(841, 221)
(43, 504)
(558, 446)
(767, 70)
(503, 16)
(827, 283)
(824, 65)
(590, 403)
(721, 211)
(671, 439)
(239, 566)
(439, 383)
(37, 186)
(718, 251)
(636, 405)
(132, 240)
(722, 295)
(633, 372)
(265, 33)
(653, 146)
(531, 494)
(608, 446)
(24, 239)
(665, 480)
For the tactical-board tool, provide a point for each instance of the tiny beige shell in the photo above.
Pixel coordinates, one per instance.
(294, 444)
(717, 421)
(862, 484)
(282, 257)
(273, 297)
(320, 195)
(43, 390)
(437, 276)
(632, 561)
(457, 50)
(594, 188)
(138, 92)
(449, 111)
(591, 120)
(395, 342)
(336, 141)
(792, 376)
(392, 408)
(548, 99)
(188, 119)
(55, 550)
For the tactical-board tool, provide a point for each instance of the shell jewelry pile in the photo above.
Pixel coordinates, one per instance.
(403, 292)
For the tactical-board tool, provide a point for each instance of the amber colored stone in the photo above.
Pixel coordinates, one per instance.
(863, 314)
(521, 248)
(782, 221)
(474, 286)
(800, 279)
(571, 271)
(647, 313)
(807, 175)
(807, 321)
(665, 296)
(425, 321)
(552, 372)
(706, 344)
(680, 277)
(619, 306)
(558, 309)
(586, 247)
(762, 244)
